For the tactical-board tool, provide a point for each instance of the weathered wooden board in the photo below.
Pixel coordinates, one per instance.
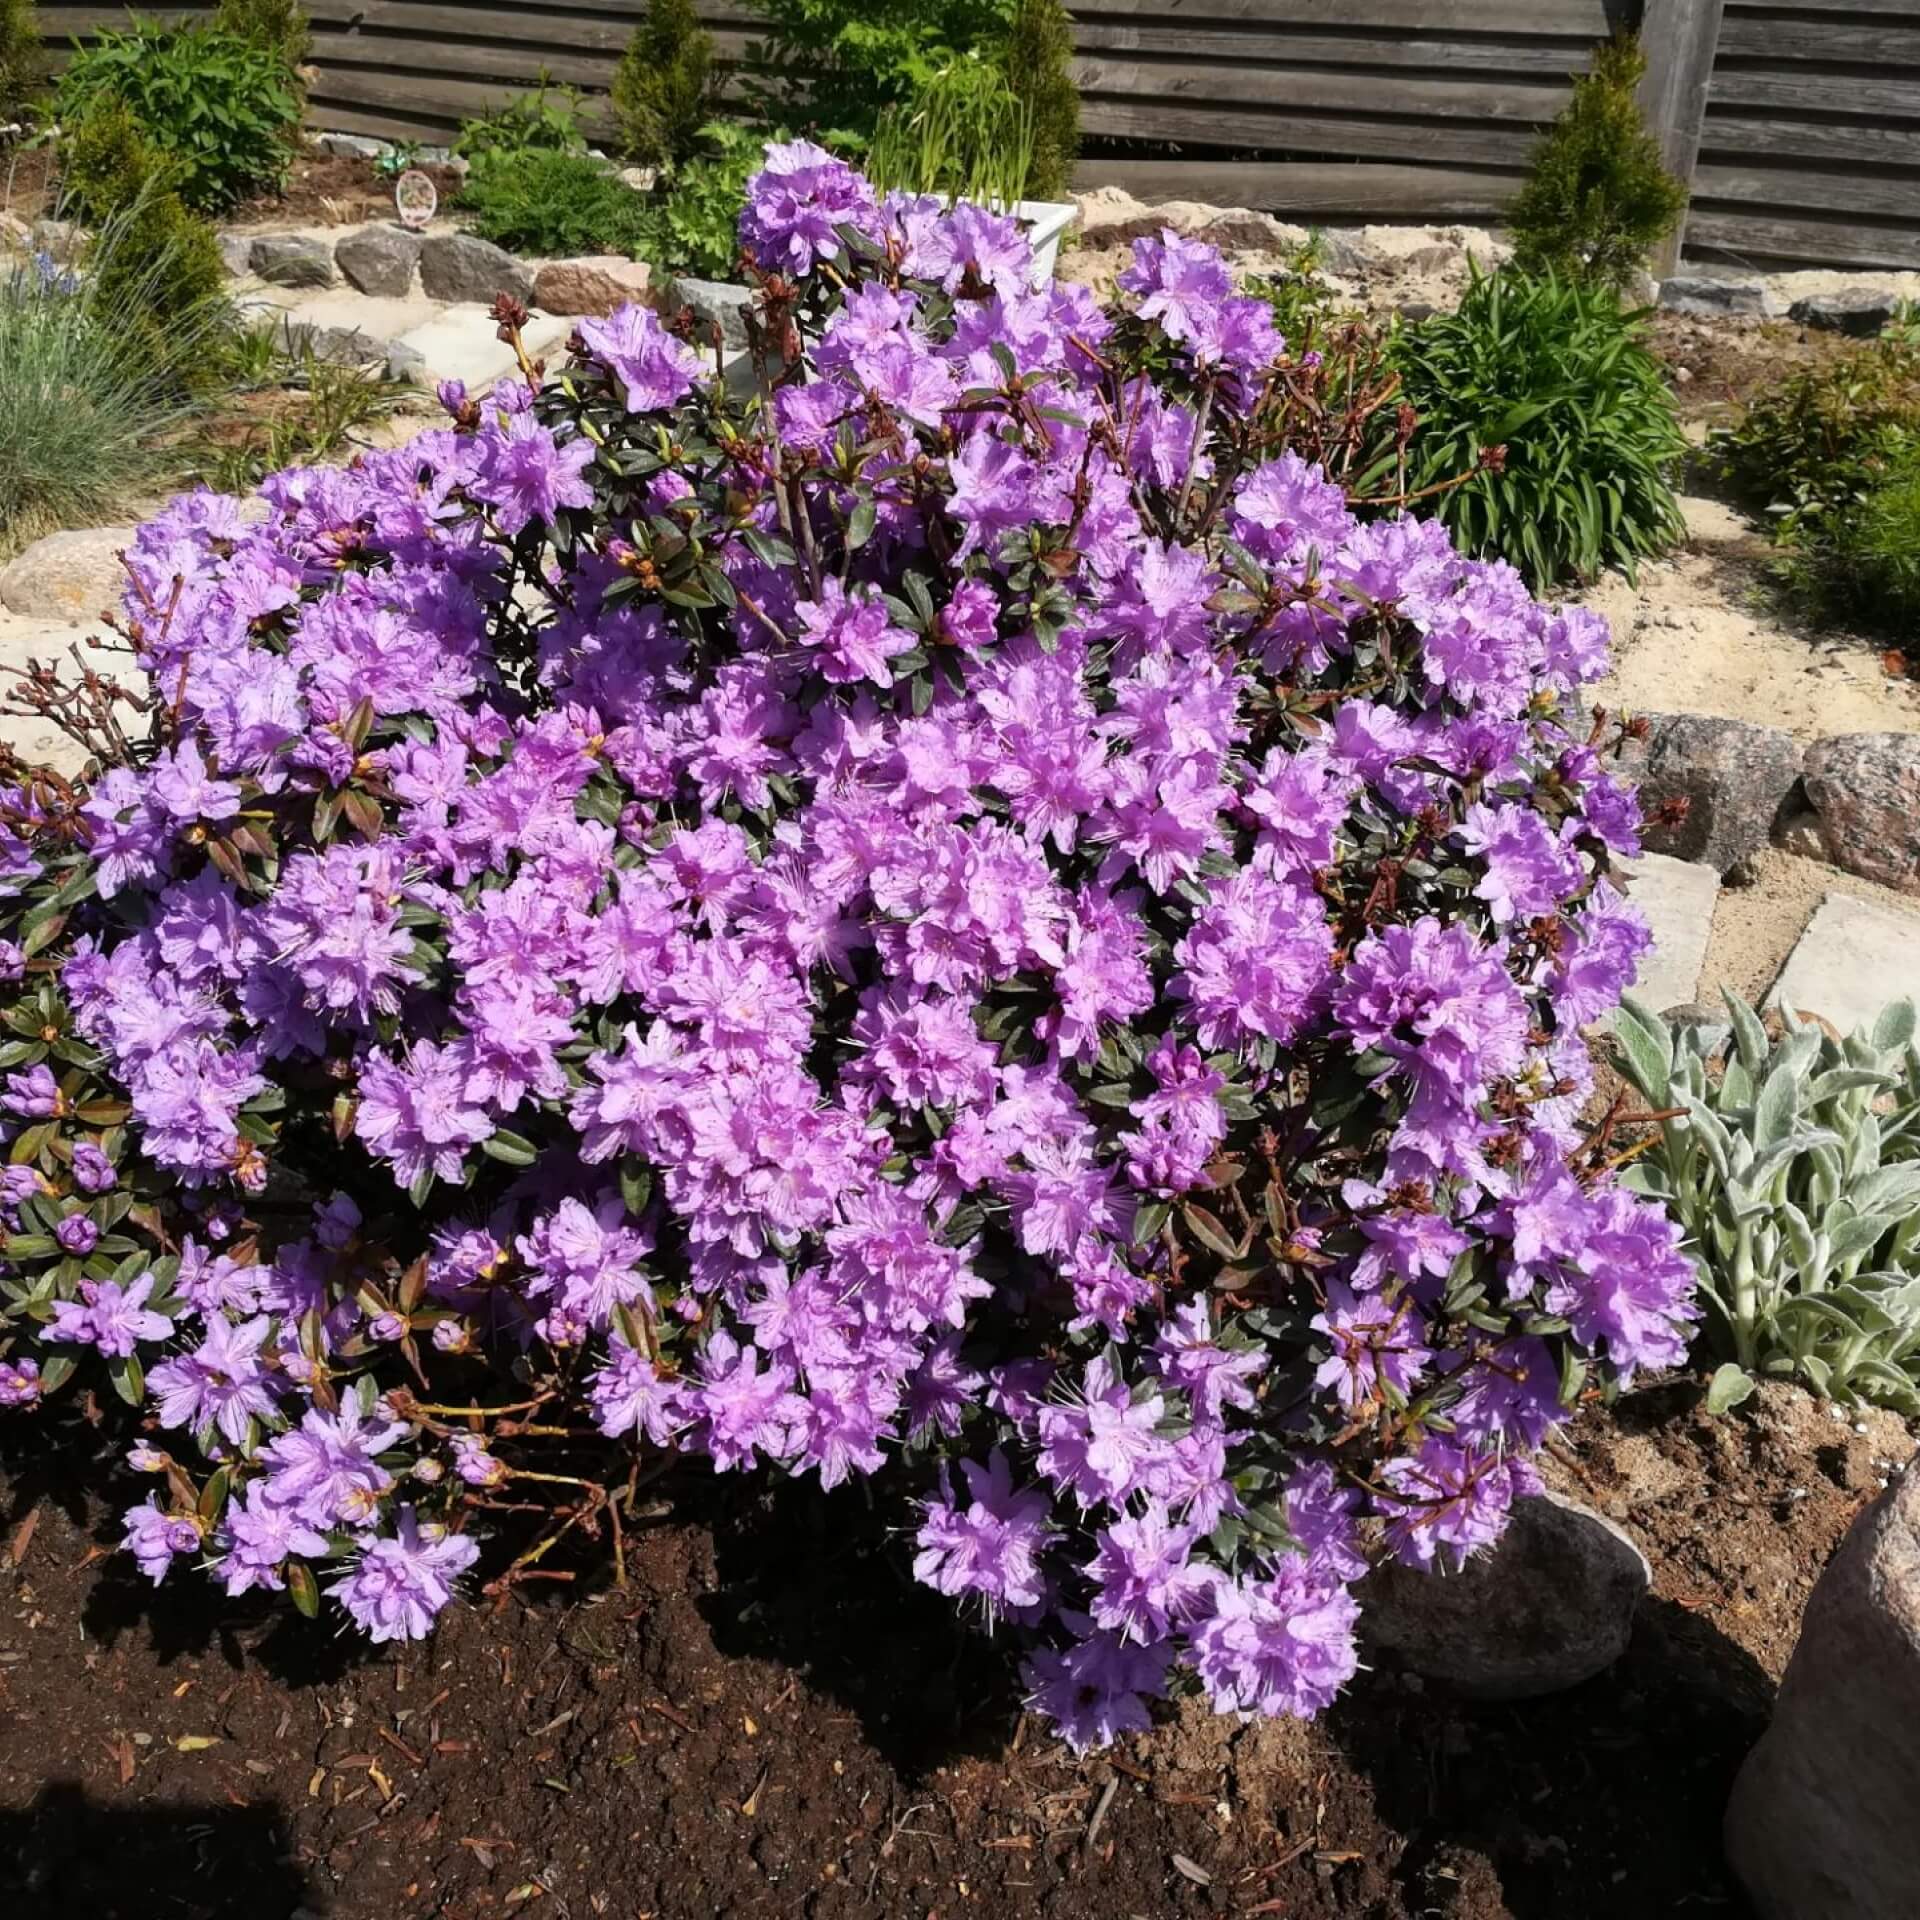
(1739, 233)
(1310, 190)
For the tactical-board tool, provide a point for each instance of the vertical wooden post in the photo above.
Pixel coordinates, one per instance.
(1679, 38)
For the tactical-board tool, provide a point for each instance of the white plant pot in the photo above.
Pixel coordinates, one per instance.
(1046, 223)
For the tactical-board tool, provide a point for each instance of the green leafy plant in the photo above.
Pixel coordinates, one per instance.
(663, 88)
(22, 65)
(396, 158)
(1814, 442)
(84, 408)
(295, 409)
(1304, 306)
(842, 63)
(547, 120)
(279, 27)
(699, 224)
(1597, 197)
(965, 134)
(1546, 386)
(223, 109)
(1831, 454)
(1793, 1167)
(547, 201)
(1038, 58)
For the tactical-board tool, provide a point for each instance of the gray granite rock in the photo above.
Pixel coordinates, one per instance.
(1822, 1825)
(1709, 294)
(714, 303)
(379, 260)
(61, 240)
(1859, 311)
(1735, 778)
(292, 260)
(1548, 1607)
(1865, 788)
(462, 266)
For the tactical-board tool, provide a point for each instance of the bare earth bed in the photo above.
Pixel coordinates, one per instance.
(771, 1720)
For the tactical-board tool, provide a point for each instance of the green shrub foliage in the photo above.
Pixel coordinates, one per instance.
(546, 120)
(279, 27)
(1039, 61)
(224, 109)
(1831, 454)
(663, 88)
(1597, 197)
(1546, 385)
(965, 135)
(21, 65)
(541, 200)
(842, 63)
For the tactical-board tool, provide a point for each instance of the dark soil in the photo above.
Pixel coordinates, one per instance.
(771, 1719)
(332, 190)
(322, 190)
(1717, 365)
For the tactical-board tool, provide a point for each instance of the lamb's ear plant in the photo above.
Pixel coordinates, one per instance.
(1793, 1166)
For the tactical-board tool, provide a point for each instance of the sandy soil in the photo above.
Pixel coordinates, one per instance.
(1703, 632)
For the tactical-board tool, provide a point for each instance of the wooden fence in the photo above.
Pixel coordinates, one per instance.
(1799, 124)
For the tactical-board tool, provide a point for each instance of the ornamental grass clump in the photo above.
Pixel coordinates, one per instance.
(960, 919)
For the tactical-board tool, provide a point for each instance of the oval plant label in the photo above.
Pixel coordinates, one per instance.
(415, 198)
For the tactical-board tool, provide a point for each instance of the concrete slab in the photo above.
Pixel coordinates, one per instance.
(462, 343)
(53, 642)
(1855, 956)
(1678, 899)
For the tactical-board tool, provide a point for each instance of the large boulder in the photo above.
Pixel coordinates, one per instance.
(379, 260)
(591, 286)
(462, 266)
(1865, 790)
(1736, 780)
(292, 260)
(1823, 1823)
(1859, 311)
(68, 576)
(1549, 1607)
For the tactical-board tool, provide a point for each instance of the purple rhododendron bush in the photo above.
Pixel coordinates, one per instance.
(962, 917)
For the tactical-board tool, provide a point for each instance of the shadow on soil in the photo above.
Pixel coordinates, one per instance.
(68, 1858)
(823, 1583)
(1591, 1804)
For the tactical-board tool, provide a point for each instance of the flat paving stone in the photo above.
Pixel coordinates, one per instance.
(52, 642)
(1678, 898)
(463, 343)
(1855, 956)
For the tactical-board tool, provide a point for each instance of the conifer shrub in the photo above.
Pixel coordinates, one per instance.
(664, 87)
(22, 58)
(1038, 58)
(1598, 198)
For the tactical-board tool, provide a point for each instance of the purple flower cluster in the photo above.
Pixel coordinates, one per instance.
(965, 915)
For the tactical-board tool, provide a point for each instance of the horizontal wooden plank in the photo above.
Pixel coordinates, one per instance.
(1553, 58)
(523, 28)
(1850, 190)
(1877, 43)
(1866, 141)
(1808, 92)
(1741, 234)
(1902, 7)
(588, 71)
(1303, 90)
(1309, 190)
(419, 96)
(1593, 19)
(1252, 130)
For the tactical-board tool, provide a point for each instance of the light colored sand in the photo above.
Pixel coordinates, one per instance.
(1700, 633)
